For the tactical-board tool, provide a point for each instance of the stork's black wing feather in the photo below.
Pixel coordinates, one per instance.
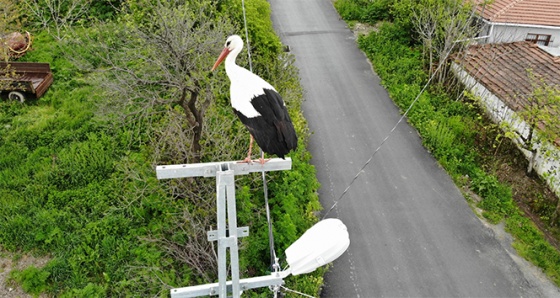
(273, 130)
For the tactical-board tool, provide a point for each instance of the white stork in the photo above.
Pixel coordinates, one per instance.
(258, 105)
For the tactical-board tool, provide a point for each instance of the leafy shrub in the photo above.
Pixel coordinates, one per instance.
(497, 200)
(105, 9)
(265, 44)
(32, 280)
(438, 137)
(364, 11)
(89, 291)
(378, 10)
(350, 9)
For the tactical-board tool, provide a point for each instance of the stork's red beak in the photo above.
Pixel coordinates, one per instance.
(221, 58)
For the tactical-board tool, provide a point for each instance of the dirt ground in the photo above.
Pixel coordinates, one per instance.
(9, 262)
(363, 29)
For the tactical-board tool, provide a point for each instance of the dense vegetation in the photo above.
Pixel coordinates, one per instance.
(452, 126)
(77, 179)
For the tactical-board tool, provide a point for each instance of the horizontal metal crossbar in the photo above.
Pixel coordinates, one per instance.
(241, 232)
(209, 169)
(274, 279)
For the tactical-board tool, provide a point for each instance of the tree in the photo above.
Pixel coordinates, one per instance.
(443, 27)
(159, 64)
(541, 114)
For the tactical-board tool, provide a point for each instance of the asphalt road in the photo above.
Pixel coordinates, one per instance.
(412, 232)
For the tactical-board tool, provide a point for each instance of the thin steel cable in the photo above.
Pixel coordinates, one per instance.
(247, 37)
(273, 259)
(296, 292)
(388, 135)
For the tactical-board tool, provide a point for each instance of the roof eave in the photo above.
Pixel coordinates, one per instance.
(520, 25)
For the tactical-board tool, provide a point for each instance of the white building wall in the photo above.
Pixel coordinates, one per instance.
(499, 33)
(548, 166)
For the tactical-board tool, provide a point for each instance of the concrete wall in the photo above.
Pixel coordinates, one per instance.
(548, 166)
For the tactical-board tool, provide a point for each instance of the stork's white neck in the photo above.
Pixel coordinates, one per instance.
(231, 66)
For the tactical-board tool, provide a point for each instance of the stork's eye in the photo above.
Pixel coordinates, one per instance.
(227, 43)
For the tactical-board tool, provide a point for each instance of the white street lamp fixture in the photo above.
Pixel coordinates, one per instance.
(321, 244)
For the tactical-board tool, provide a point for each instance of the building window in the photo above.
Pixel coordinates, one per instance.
(540, 39)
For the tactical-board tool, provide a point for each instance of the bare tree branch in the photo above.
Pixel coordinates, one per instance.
(57, 14)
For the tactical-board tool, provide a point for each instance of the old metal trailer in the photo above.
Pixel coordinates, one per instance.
(23, 80)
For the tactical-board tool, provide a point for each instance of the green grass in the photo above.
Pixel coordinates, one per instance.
(82, 190)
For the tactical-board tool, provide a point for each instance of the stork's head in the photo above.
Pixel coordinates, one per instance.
(233, 44)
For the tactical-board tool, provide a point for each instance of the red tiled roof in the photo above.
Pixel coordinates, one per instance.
(503, 69)
(534, 12)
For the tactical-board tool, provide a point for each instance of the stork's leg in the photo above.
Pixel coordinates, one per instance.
(248, 158)
(261, 159)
